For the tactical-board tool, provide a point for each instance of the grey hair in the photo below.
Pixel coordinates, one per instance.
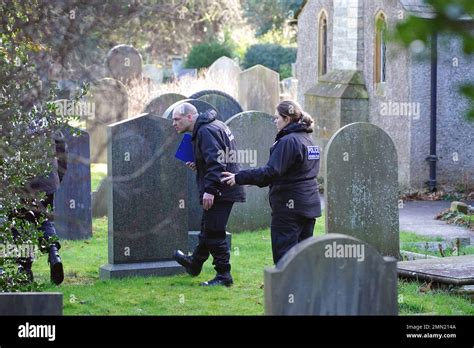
(185, 109)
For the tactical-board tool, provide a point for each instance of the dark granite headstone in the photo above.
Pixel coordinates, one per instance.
(31, 303)
(72, 201)
(254, 134)
(147, 210)
(361, 186)
(226, 105)
(332, 275)
(158, 105)
(124, 63)
(194, 207)
(110, 99)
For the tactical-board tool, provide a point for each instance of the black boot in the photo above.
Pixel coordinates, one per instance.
(55, 265)
(224, 279)
(191, 268)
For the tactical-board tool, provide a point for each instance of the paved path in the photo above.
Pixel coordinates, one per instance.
(418, 217)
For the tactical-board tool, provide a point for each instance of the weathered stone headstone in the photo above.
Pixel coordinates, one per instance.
(186, 73)
(289, 89)
(361, 186)
(226, 69)
(226, 105)
(332, 275)
(153, 73)
(259, 89)
(147, 208)
(254, 134)
(110, 99)
(124, 63)
(99, 200)
(72, 201)
(194, 207)
(31, 303)
(158, 105)
(177, 65)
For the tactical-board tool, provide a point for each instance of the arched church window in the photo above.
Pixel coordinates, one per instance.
(380, 48)
(323, 44)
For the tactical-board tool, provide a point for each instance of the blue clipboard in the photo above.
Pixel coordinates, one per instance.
(185, 149)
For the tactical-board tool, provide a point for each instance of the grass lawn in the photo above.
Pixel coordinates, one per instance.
(85, 294)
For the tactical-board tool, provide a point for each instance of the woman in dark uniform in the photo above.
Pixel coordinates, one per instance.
(291, 174)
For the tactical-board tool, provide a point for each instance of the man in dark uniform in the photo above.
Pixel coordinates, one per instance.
(38, 210)
(210, 138)
(291, 174)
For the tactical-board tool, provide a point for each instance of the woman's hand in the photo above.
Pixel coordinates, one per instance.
(228, 178)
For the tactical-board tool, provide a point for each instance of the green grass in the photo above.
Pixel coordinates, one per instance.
(411, 237)
(85, 294)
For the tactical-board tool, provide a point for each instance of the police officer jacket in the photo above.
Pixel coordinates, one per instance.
(290, 172)
(211, 140)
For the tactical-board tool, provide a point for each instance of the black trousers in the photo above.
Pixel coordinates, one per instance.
(212, 238)
(287, 230)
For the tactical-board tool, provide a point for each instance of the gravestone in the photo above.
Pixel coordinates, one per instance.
(191, 73)
(31, 303)
(332, 275)
(361, 186)
(153, 73)
(226, 69)
(289, 89)
(72, 201)
(254, 134)
(158, 105)
(226, 105)
(194, 207)
(259, 89)
(124, 63)
(454, 270)
(177, 65)
(110, 99)
(147, 211)
(99, 200)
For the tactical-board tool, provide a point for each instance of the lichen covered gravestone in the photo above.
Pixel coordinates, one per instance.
(110, 99)
(147, 210)
(332, 275)
(228, 71)
(254, 134)
(259, 89)
(361, 186)
(124, 63)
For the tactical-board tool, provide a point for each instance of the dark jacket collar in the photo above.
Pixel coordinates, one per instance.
(293, 128)
(204, 118)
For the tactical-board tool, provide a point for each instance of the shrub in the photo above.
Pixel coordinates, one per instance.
(272, 56)
(203, 55)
